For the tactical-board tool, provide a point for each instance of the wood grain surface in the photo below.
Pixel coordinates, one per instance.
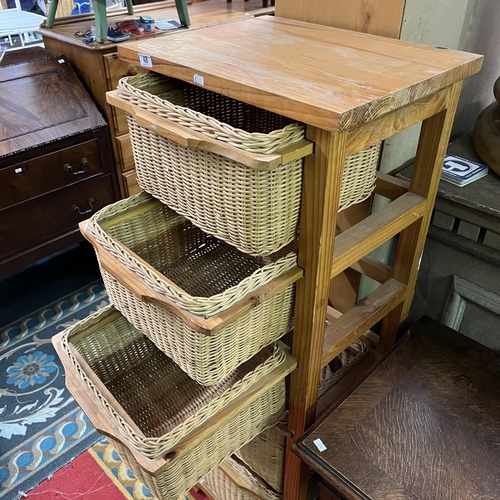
(424, 425)
(54, 105)
(378, 17)
(327, 77)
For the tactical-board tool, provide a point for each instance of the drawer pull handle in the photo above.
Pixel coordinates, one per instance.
(76, 208)
(68, 168)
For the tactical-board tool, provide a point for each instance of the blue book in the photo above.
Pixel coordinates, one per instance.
(460, 171)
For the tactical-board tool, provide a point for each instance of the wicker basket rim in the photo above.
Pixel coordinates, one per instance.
(129, 88)
(202, 306)
(155, 447)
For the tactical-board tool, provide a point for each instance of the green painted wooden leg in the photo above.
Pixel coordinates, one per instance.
(130, 7)
(101, 21)
(182, 12)
(52, 14)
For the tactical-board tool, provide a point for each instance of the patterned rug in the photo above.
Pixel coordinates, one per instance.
(106, 456)
(41, 426)
(97, 473)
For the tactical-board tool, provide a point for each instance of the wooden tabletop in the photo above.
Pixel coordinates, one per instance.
(54, 104)
(425, 425)
(332, 78)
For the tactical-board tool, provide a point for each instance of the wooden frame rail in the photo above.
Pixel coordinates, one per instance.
(408, 215)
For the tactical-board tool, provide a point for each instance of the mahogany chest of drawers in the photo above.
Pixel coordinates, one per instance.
(55, 158)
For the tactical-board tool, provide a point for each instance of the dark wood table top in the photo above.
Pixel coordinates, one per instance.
(425, 424)
(55, 104)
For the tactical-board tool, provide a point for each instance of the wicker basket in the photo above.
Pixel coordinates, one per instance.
(233, 481)
(169, 430)
(265, 454)
(255, 209)
(208, 306)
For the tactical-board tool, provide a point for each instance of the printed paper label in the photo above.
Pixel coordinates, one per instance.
(145, 60)
(319, 444)
(199, 80)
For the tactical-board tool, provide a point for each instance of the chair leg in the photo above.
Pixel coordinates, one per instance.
(130, 7)
(182, 12)
(101, 21)
(52, 14)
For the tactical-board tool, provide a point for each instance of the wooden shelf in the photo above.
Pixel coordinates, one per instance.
(369, 234)
(342, 332)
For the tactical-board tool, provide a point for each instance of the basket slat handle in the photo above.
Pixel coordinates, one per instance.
(194, 140)
(177, 133)
(206, 326)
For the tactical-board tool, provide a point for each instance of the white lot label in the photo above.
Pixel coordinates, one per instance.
(199, 80)
(319, 444)
(145, 60)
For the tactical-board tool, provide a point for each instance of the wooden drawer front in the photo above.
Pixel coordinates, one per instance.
(116, 69)
(125, 152)
(43, 174)
(119, 121)
(51, 215)
(130, 180)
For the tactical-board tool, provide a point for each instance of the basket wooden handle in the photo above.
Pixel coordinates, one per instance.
(171, 130)
(195, 140)
(206, 326)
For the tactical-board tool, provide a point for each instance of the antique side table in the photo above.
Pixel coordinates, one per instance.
(424, 425)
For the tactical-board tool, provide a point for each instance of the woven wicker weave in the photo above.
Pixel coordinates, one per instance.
(213, 276)
(161, 399)
(222, 487)
(164, 404)
(265, 454)
(256, 211)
